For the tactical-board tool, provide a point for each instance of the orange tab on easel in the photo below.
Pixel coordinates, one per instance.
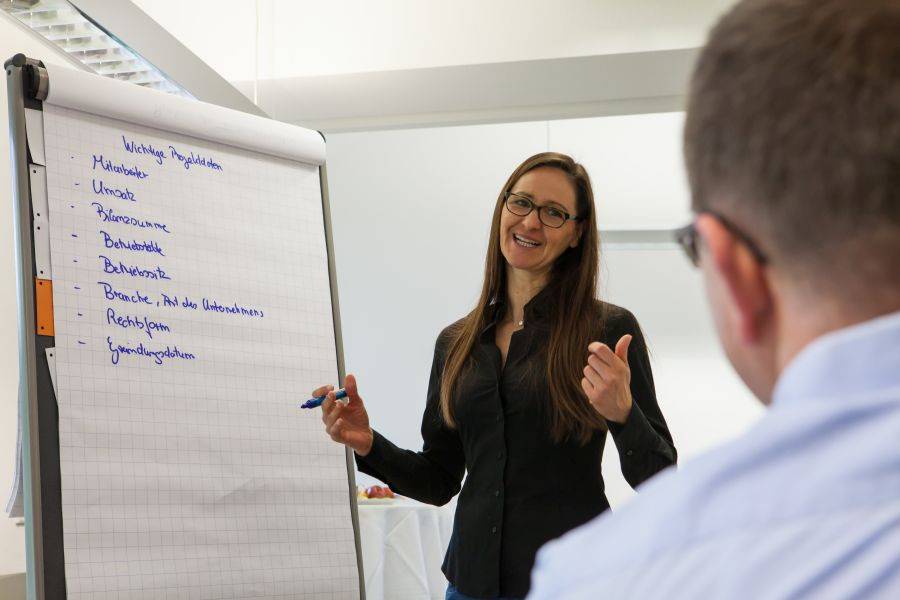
(43, 301)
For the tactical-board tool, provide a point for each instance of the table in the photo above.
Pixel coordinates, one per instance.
(403, 546)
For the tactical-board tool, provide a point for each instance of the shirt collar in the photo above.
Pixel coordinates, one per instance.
(846, 362)
(537, 310)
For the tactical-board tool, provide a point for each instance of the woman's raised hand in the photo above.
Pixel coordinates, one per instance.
(607, 380)
(346, 423)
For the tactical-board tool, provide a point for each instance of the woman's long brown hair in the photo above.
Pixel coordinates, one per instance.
(575, 319)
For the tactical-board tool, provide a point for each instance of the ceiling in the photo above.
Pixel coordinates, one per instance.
(358, 64)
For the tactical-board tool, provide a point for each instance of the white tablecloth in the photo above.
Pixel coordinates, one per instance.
(403, 546)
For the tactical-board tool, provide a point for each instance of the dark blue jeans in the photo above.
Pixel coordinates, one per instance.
(453, 594)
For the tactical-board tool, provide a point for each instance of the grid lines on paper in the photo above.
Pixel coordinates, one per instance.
(192, 477)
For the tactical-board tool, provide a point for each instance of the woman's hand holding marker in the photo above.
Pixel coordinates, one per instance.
(607, 380)
(346, 423)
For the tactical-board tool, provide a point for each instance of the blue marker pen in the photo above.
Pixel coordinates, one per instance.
(314, 402)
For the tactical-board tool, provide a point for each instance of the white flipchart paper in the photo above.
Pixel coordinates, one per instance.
(192, 313)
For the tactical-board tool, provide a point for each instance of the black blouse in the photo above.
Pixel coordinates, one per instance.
(522, 489)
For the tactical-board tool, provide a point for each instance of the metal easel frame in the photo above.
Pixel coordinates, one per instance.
(27, 86)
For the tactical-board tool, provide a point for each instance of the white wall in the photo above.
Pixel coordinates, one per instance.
(13, 39)
(406, 269)
(635, 167)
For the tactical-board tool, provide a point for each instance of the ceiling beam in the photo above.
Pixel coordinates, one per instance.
(136, 30)
(591, 86)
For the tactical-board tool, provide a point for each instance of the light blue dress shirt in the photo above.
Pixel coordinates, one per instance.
(806, 504)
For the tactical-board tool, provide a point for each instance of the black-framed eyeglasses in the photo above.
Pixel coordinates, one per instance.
(551, 216)
(688, 238)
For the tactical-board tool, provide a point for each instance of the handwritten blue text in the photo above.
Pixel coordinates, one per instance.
(102, 189)
(120, 268)
(233, 309)
(108, 214)
(136, 148)
(112, 293)
(157, 356)
(194, 159)
(144, 323)
(119, 168)
(133, 246)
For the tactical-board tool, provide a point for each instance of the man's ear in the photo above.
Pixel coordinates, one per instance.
(743, 276)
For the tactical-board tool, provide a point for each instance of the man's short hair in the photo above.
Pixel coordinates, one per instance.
(793, 132)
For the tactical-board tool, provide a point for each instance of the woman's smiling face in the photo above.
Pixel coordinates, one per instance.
(526, 243)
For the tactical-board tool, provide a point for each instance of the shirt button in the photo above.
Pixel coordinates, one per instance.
(499, 456)
(499, 418)
(629, 453)
(496, 493)
(494, 529)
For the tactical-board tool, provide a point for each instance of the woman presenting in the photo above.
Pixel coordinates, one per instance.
(522, 393)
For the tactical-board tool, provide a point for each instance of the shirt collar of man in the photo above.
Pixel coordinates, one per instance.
(860, 359)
